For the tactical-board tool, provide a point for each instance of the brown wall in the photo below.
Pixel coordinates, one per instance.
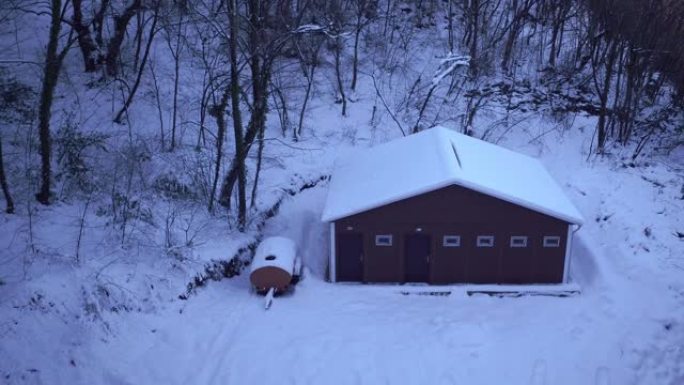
(459, 211)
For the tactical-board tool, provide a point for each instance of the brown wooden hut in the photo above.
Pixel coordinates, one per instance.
(440, 207)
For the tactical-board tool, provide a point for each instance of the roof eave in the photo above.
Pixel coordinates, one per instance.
(575, 220)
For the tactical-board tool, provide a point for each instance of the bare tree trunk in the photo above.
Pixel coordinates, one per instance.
(416, 127)
(508, 48)
(450, 26)
(3, 182)
(620, 64)
(520, 13)
(219, 112)
(260, 61)
(162, 139)
(607, 60)
(355, 60)
(281, 106)
(204, 101)
(139, 32)
(176, 75)
(308, 71)
(260, 152)
(98, 22)
(604, 97)
(558, 19)
(338, 74)
(309, 85)
(53, 63)
(634, 84)
(387, 18)
(474, 30)
(238, 164)
(120, 26)
(85, 41)
(153, 31)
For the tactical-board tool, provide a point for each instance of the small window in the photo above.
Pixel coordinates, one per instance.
(485, 241)
(270, 258)
(451, 241)
(552, 241)
(383, 240)
(518, 241)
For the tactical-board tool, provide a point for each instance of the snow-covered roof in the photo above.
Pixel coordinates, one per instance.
(437, 158)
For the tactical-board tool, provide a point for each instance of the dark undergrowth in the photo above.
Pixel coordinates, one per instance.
(217, 270)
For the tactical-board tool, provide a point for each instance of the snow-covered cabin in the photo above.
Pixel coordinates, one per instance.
(442, 207)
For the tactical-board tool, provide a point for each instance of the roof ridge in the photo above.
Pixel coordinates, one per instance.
(451, 162)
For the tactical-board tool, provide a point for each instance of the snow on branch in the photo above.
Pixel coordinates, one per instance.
(315, 28)
(306, 28)
(448, 65)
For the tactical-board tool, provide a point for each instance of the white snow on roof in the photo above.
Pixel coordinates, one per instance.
(437, 158)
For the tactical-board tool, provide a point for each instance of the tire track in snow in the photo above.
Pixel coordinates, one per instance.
(602, 376)
(539, 373)
(218, 350)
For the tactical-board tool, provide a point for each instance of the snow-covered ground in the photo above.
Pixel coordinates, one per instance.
(626, 327)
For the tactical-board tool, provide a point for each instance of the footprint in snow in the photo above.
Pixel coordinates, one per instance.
(602, 376)
(538, 373)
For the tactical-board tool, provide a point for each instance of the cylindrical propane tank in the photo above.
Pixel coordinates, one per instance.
(274, 264)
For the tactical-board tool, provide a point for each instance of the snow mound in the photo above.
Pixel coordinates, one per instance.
(277, 252)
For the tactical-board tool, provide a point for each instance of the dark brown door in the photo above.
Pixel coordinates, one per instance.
(550, 261)
(349, 257)
(417, 258)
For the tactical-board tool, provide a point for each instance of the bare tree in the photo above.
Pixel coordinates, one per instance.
(51, 70)
(120, 26)
(309, 61)
(129, 99)
(3, 183)
(264, 42)
(559, 10)
(85, 40)
(95, 51)
(176, 48)
(603, 60)
(472, 31)
(519, 10)
(218, 111)
(364, 12)
(338, 48)
(240, 151)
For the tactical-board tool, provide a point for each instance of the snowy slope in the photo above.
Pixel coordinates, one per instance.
(626, 326)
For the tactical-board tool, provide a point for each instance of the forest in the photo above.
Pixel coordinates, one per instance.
(147, 132)
(217, 73)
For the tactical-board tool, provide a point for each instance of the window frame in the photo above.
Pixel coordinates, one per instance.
(556, 239)
(479, 242)
(380, 243)
(446, 240)
(516, 238)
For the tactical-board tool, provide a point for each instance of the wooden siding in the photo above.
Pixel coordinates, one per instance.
(455, 210)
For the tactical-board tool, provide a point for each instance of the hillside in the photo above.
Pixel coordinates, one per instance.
(172, 158)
